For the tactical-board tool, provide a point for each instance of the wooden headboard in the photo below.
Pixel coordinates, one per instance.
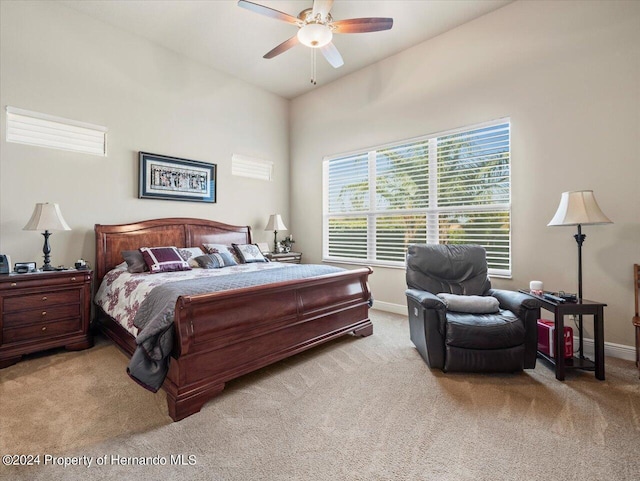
(111, 240)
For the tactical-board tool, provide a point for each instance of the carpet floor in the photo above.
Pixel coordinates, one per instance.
(353, 409)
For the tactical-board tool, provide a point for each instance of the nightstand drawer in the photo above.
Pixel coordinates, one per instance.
(37, 301)
(39, 331)
(41, 315)
(15, 282)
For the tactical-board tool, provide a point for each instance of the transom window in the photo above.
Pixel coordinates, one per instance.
(449, 188)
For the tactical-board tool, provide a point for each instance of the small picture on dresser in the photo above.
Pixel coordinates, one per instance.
(172, 178)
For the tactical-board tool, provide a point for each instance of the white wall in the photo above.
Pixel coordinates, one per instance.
(60, 62)
(568, 75)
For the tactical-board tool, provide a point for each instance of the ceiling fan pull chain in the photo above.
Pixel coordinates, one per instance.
(313, 66)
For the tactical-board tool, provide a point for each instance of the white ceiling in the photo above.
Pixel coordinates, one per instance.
(233, 40)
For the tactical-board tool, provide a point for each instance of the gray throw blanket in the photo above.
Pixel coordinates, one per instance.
(150, 361)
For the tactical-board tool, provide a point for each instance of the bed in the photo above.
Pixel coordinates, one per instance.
(220, 336)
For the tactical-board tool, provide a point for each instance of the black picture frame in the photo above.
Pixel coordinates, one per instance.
(172, 178)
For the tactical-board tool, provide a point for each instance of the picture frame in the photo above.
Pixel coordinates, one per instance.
(173, 178)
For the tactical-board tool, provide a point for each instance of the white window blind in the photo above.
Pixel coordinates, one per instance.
(450, 188)
(35, 128)
(244, 166)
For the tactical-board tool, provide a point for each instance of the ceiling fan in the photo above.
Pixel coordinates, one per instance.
(316, 28)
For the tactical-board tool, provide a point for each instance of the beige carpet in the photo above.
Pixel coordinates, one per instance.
(355, 409)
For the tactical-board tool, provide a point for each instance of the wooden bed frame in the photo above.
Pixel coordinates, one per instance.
(223, 335)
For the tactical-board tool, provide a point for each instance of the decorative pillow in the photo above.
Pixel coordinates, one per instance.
(135, 261)
(189, 254)
(219, 248)
(216, 261)
(249, 253)
(164, 259)
(471, 304)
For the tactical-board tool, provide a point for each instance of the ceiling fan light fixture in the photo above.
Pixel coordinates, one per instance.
(315, 35)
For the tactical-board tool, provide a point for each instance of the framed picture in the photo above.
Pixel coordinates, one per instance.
(172, 178)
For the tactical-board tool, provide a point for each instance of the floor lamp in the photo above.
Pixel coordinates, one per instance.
(579, 208)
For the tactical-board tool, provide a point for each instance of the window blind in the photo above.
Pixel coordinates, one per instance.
(244, 166)
(43, 130)
(449, 188)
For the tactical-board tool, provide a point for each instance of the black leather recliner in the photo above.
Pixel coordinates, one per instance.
(460, 341)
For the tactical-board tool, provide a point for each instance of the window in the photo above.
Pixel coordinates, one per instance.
(452, 188)
(34, 128)
(244, 166)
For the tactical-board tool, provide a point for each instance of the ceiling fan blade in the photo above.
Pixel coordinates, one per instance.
(362, 25)
(332, 55)
(283, 47)
(269, 12)
(322, 7)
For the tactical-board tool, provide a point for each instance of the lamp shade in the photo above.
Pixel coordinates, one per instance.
(579, 208)
(315, 35)
(46, 216)
(275, 223)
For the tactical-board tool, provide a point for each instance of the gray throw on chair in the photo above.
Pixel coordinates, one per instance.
(469, 330)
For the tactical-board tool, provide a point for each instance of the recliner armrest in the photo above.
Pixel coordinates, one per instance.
(514, 301)
(526, 308)
(426, 299)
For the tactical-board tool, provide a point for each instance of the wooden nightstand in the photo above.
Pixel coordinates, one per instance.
(42, 310)
(289, 257)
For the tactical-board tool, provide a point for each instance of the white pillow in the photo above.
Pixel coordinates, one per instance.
(189, 254)
(471, 304)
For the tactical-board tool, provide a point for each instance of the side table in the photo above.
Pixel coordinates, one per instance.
(580, 308)
(289, 257)
(42, 310)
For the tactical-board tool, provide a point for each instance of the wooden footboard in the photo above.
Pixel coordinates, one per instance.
(223, 335)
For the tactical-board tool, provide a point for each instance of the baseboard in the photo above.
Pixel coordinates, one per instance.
(611, 349)
(389, 307)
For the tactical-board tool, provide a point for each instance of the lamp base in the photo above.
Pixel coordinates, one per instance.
(46, 250)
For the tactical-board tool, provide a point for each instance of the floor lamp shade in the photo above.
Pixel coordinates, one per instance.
(46, 217)
(275, 224)
(579, 208)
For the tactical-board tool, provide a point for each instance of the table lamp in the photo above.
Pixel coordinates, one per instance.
(46, 217)
(275, 224)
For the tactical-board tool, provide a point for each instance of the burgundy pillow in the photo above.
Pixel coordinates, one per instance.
(164, 259)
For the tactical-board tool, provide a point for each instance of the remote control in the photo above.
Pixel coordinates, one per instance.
(551, 297)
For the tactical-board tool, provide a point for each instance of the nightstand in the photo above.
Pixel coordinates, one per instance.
(289, 257)
(43, 310)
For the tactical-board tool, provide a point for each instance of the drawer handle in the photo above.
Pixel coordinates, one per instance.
(44, 328)
(14, 284)
(44, 313)
(73, 278)
(44, 298)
